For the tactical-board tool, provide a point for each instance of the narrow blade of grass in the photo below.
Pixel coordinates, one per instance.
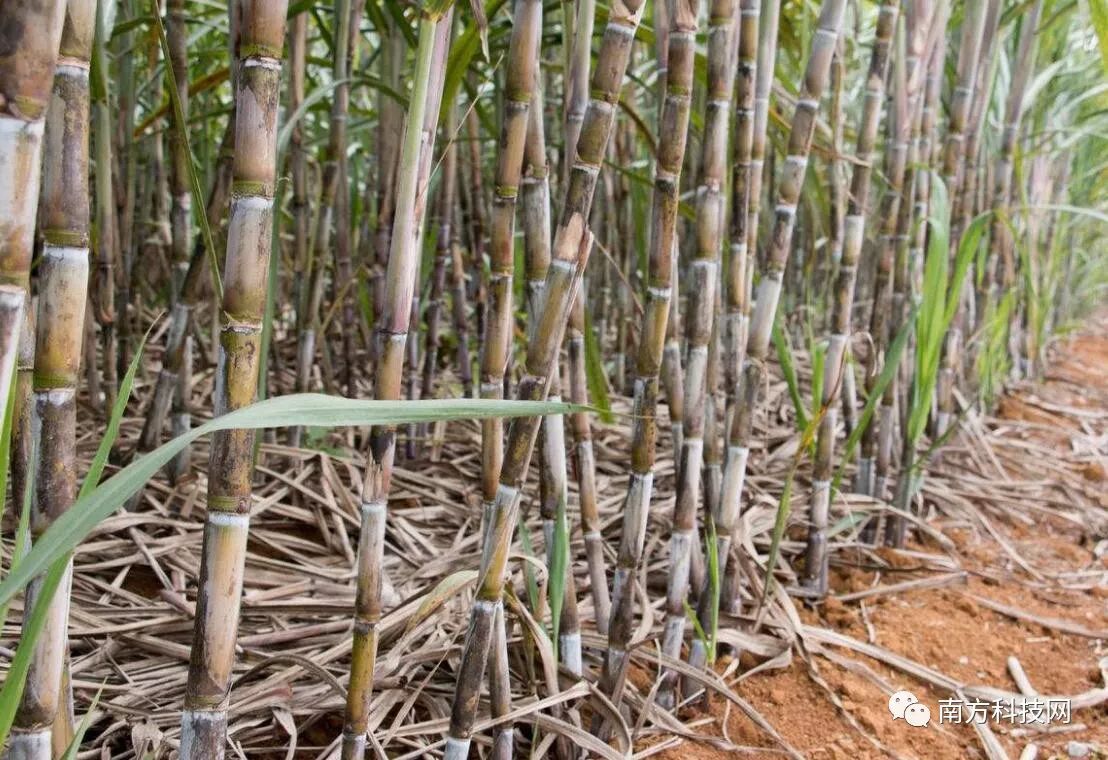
(286, 411)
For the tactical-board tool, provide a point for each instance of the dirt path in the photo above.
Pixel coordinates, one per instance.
(1022, 573)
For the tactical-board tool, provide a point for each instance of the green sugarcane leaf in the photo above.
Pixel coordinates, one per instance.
(461, 55)
(22, 530)
(892, 363)
(434, 10)
(179, 120)
(847, 522)
(401, 25)
(285, 411)
(1098, 10)
(436, 597)
(967, 248)
(933, 307)
(1092, 213)
(12, 691)
(780, 521)
(939, 302)
(819, 360)
(714, 586)
(122, 27)
(316, 95)
(698, 629)
(366, 79)
(528, 567)
(559, 562)
(595, 377)
(107, 441)
(377, 19)
(482, 23)
(785, 357)
(82, 728)
(784, 506)
(6, 433)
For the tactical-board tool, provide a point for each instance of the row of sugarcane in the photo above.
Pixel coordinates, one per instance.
(707, 356)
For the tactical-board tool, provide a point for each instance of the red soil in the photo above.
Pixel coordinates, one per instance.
(947, 630)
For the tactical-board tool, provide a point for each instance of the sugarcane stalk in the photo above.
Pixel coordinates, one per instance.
(106, 241)
(459, 307)
(1001, 267)
(953, 162)
(927, 145)
(895, 161)
(572, 244)
(343, 244)
(330, 232)
(390, 125)
(553, 505)
(903, 266)
(751, 114)
(499, 323)
(663, 239)
(180, 212)
(968, 197)
(824, 43)
(815, 576)
(172, 377)
(926, 148)
(522, 142)
(577, 79)
(585, 466)
(553, 475)
(714, 411)
(816, 573)
(619, 239)
(474, 202)
(703, 275)
(26, 76)
(535, 213)
(535, 205)
(63, 285)
(126, 200)
(837, 201)
(333, 191)
(520, 86)
(553, 502)
(180, 222)
(671, 372)
(769, 20)
(257, 47)
(298, 164)
(413, 173)
(444, 248)
(63, 281)
(970, 193)
(577, 98)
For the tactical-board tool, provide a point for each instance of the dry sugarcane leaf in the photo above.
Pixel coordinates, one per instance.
(284, 719)
(710, 680)
(146, 739)
(579, 737)
(436, 597)
(1057, 624)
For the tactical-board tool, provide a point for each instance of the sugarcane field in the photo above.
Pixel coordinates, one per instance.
(573, 379)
